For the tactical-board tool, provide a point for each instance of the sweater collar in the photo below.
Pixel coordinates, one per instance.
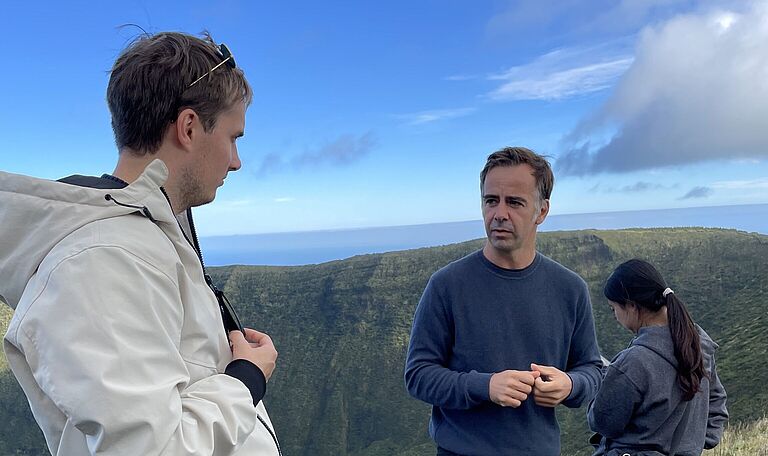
(509, 273)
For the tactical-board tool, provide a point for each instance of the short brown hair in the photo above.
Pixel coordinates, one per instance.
(150, 85)
(512, 156)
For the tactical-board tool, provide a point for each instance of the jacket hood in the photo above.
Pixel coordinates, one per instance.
(36, 214)
(708, 346)
(659, 340)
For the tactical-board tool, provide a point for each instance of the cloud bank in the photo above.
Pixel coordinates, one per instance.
(697, 91)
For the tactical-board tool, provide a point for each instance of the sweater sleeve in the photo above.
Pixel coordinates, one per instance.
(251, 376)
(427, 376)
(718, 414)
(107, 354)
(584, 361)
(615, 403)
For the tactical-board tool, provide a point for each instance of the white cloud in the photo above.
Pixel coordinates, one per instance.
(285, 199)
(422, 117)
(560, 84)
(725, 21)
(696, 91)
(564, 73)
(742, 184)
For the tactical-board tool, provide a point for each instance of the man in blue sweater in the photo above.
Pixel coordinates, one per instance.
(505, 334)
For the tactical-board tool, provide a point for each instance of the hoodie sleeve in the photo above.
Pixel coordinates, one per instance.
(718, 414)
(101, 337)
(615, 403)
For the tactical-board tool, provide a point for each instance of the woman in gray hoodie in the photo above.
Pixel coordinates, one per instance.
(661, 395)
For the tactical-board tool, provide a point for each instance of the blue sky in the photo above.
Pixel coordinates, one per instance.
(382, 113)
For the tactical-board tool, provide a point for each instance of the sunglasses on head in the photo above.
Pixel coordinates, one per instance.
(227, 58)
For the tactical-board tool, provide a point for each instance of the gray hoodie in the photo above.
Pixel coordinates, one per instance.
(639, 405)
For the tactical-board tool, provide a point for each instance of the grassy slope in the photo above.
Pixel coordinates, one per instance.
(5, 317)
(342, 331)
(743, 440)
(19, 434)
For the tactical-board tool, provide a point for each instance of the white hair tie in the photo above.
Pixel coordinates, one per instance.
(666, 292)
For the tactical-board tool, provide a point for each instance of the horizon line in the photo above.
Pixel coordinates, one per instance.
(361, 228)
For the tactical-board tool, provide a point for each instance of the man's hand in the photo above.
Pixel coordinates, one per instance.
(255, 347)
(510, 388)
(551, 387)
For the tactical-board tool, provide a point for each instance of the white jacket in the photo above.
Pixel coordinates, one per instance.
(116, 339)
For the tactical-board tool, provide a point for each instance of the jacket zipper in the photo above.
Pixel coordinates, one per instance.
(209, 281)
(271, 432)
(194, 243)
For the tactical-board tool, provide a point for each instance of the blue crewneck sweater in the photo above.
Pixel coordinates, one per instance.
(475, 319)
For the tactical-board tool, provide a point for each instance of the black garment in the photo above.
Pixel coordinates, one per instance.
(106, 181)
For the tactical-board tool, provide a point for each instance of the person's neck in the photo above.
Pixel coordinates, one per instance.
(131, 165)
(517, 259)
(659, 318)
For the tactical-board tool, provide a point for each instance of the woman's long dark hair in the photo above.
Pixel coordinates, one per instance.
(638, 282)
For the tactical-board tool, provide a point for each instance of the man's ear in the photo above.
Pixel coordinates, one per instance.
(186, 127)
(543, 211)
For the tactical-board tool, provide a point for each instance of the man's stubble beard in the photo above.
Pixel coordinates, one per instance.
(507, 245)
(513, 242)
(191, 191)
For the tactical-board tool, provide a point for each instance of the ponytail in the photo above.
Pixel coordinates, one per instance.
(685, 338)
(639, 283)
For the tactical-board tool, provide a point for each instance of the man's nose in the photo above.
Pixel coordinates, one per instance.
(234, 161)
(500, 214)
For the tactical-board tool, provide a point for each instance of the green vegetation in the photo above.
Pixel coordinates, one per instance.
(19, 434)
(342, 331)
(743, 440)
(5, 317)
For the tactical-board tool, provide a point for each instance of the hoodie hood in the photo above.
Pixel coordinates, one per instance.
(659, 340)
(708, 346)
(36, 214)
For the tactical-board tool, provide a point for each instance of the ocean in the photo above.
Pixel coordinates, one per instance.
(312, 247)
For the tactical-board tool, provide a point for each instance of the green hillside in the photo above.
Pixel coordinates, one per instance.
(19, 435)
(342, 331)
(749, 439)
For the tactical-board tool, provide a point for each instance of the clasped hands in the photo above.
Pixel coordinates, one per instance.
(548, 385)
